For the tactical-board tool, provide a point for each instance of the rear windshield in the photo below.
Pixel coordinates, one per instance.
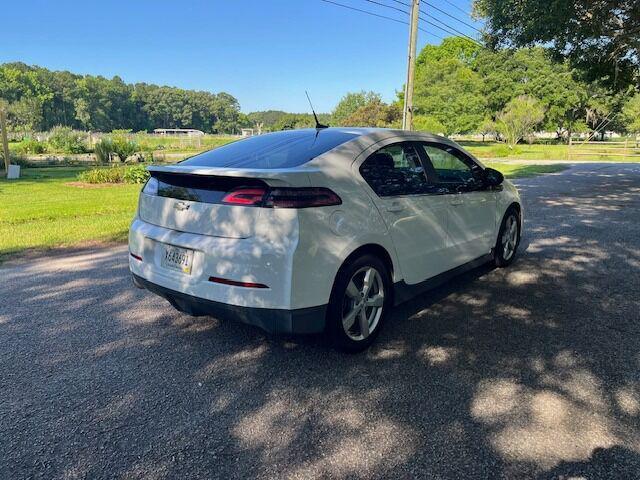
(273, 150)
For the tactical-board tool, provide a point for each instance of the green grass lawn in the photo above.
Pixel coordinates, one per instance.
(41, 210)
(44, 209)
(515, 170)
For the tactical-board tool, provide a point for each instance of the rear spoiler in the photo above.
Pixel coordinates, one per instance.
(296, 176)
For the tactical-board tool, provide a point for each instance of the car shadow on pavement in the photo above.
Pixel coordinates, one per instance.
(525, 372)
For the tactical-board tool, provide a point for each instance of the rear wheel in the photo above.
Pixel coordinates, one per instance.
(361, 297)
(508, 238)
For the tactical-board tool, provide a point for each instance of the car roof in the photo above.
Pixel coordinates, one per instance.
(389, 132)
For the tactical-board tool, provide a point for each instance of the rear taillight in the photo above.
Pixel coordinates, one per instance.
(301, 198)
(245, 196)
(283, 197)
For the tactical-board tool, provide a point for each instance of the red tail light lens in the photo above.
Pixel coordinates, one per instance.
(284, 197)
(245, 196)
(301, 198)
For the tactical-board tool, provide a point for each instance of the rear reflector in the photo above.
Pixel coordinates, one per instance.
(234, 283)
(282, 197)
(137, 257)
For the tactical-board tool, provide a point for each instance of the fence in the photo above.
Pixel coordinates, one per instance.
(628, 149)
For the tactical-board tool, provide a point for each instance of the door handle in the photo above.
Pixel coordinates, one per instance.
(457, 201)
(395, 207)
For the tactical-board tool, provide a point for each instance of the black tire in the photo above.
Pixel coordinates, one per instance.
(342, 303)
(503, 256)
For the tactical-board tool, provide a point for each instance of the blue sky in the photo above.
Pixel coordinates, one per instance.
(265, 53)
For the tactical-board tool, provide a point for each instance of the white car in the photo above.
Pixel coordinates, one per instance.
(319, 230)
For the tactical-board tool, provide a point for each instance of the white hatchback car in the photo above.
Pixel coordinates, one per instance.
(319, 230)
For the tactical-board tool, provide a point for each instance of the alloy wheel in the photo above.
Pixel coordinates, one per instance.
(363, 303)
(510, 237)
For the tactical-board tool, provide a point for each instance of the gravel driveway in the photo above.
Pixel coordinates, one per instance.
(529, 372)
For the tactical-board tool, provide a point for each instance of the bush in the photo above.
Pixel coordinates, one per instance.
(103, 150)
(102, 175)
(30, 146)
(136, 174)
(116, 144)
(65, 140)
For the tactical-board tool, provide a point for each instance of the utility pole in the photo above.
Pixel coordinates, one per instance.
(407, 115)
(5, 141)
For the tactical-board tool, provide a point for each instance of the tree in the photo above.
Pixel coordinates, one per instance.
(532, 71)
(487, 127)
(423, 123)
(375, 113)
(350, 103)
(599, 36)
(631, 114)
(519, 119)
(447, 89)
(458, 48)
(41, 99)
(26, 114)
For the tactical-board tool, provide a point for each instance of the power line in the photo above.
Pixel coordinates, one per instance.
(435, 18)
(458, 8)
(365, 11)
(451, 16)
(449, 29)
(381, 16)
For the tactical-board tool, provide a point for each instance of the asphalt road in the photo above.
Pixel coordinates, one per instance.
(528, 372)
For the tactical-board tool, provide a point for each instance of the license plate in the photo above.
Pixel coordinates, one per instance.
(176, 258)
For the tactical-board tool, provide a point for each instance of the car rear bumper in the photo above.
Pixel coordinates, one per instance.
(273, 320)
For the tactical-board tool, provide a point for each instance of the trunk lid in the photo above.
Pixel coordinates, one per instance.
(188, 198)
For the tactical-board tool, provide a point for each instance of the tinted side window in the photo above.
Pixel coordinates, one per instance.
(395, 170)
(448, 166)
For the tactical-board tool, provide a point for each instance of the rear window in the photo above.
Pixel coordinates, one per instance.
(273, 150)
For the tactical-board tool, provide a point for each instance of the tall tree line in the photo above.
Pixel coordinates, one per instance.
(37, 99)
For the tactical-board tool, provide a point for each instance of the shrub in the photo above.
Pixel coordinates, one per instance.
(135, 174)
(103, 150)
(116, 144)
(65, 140)
(122, 145)
(30, 146)
(102, 175)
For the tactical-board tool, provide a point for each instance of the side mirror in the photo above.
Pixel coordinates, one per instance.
(492, 177)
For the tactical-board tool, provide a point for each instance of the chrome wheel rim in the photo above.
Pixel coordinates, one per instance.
(363, 303)
(510, 237)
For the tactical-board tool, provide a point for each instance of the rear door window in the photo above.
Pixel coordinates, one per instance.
(273, 150)
(395, 170)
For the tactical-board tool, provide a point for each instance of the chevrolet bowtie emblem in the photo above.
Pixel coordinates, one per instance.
(181, 206)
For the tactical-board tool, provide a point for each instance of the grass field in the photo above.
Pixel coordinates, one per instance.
(555, 152)
(41, 211)
(44, 209)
